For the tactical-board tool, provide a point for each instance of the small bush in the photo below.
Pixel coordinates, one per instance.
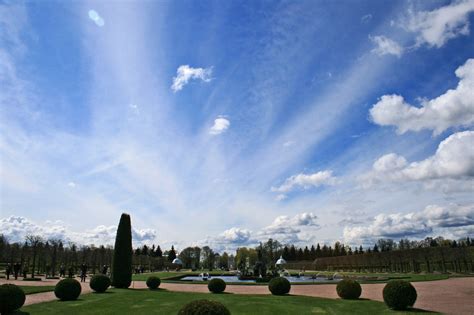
(153, 282)
(204, 307)
(279, 286)
(216, 285)
(12, 298)
(399, 294)
(100, 283)
(348, 289)
(67, 289)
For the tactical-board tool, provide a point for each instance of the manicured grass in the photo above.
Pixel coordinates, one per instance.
(36, 289)
(123, 301)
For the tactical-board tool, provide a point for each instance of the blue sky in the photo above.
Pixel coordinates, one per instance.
(225, 123)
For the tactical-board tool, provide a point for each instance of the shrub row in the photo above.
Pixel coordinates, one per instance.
(397, 294)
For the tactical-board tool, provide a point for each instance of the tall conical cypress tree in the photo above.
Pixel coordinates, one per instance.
(122, 261)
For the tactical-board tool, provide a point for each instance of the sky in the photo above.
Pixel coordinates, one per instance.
(225, 123)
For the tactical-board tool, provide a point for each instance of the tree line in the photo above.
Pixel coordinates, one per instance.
(37, 255)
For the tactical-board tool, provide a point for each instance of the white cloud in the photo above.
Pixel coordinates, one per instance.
(186, 73)
(389, 162)
(306, 181)
(236, 236)
(436, 27)
(94, 16)
(16, 228)
(454, 159)
(221, 124)
(286, 229)
(71, 184)
(432, 219)
(386, 46)
(451, 109)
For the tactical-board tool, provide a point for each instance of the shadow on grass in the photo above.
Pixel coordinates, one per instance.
(20, 313)
(221, 293)
(106, 292)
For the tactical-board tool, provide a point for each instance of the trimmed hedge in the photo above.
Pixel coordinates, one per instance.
(12, 298)
(122, 259)
(216, 285)
(204, 307)
(100, 283)
(67, 289)
(348, 289)
(279, 286)
(153, 282)
(399, 294)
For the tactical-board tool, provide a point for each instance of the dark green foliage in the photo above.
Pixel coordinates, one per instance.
(122, 260)
(204, 307)
(100, 283)
(216, 285)
(153, 282)
(12, 298)
(348, 289)
(279, 286)
(399, 294)
(67, 289)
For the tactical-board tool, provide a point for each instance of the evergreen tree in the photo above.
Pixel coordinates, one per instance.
(159, 252)
(171, 254)
(376, 248)
(318, 251)
(312, 252)
(292, 253)
(286, 253)
(299, 254)
(122, 259)
(306, 253)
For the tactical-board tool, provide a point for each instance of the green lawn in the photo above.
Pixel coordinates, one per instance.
(36, 289)
(122, 301)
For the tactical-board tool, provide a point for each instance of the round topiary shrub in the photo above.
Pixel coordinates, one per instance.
(100, 283)
(12, 298)
(348, 289)
(216, 285)
(153, 282)
(204, 307)
(399, 294)
(67, 289)
(279, 286)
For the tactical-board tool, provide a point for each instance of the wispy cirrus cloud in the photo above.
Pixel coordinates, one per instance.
(386, 46)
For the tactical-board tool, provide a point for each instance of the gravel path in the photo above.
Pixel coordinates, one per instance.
(451, 296)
